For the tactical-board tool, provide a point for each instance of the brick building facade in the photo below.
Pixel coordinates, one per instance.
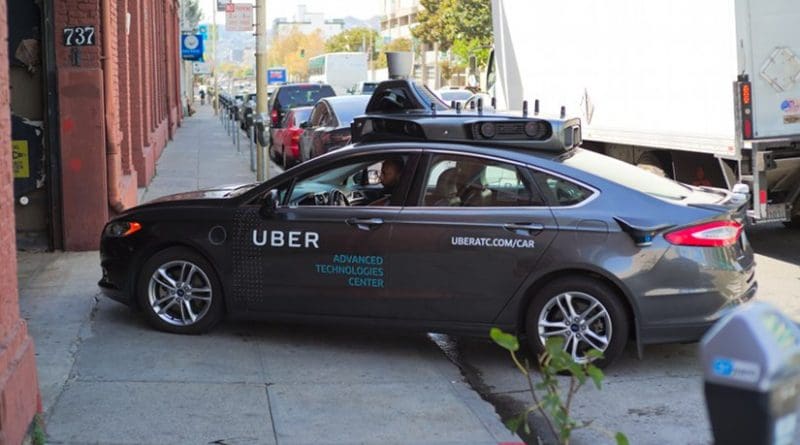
(19, 394)
(124, 107)
(107, 110)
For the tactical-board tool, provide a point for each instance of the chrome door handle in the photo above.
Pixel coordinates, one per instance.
(524, 228)
(365, 223)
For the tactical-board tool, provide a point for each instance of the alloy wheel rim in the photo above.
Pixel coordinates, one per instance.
(180, 293)
(580, 319)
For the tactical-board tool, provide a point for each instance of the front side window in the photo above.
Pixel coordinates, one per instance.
(376, 180)
(461, 181)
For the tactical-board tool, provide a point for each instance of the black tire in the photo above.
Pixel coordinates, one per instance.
(272, 154)
(579, 287)
(208, 312)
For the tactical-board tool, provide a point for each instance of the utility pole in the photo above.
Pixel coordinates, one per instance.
(262, 159)
(215, 97)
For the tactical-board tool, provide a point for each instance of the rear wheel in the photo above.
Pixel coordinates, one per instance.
(586, 313)
(795, 220)
(179, 292)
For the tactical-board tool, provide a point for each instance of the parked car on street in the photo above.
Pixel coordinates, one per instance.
(478, 221)
(285, 147)
(472, 102)
(328, 128)
(454, 95)
(286, 97)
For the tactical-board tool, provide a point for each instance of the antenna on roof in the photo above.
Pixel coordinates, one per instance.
(563, 112)
(480, 105)
(536, 107)
(524, 108)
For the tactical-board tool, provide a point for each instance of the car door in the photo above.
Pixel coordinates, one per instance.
(312, 258)
(307, 137)
(473, 229)
(321, 133)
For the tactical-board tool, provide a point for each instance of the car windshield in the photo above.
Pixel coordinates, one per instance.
(301, 114)
(346, 111)
(303, 95)
(368, 88)
(626, 174)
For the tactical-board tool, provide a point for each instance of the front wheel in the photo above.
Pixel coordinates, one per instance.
(180, 292)
(586, 313)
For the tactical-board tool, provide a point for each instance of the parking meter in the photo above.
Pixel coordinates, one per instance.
(259, 122)
(751, 361)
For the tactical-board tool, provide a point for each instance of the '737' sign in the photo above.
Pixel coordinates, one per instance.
(79, 36)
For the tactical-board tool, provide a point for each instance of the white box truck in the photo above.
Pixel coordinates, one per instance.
(706, 92)
(339, 70)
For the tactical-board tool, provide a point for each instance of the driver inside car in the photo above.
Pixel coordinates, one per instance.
(391, 172)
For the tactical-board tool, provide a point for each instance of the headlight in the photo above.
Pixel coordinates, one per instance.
(118, 229)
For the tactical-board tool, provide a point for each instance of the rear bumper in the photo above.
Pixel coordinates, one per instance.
(692, 329)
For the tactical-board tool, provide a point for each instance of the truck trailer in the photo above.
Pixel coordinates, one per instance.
(707, 93)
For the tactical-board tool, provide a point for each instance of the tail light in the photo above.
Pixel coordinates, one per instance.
(274, 117)
(295, 135)
(745, 99)
(712, 234)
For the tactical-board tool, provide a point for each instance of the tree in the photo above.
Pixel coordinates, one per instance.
(192, 14)
(465, 26)
(431, 26)
(356, 39)
(469, 25)
(401, 44)
(294, 49)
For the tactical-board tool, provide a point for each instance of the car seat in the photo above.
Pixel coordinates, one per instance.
(446, 193)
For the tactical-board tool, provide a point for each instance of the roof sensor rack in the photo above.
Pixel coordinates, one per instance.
(405, 110)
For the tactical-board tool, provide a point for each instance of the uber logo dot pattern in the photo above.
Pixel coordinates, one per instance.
(247, 284)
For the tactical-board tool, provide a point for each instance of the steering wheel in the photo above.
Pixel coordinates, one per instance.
(337, 197)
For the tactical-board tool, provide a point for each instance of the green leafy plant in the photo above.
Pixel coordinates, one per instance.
(547, 395)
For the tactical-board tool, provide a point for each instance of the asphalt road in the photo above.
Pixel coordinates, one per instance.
(656, 400)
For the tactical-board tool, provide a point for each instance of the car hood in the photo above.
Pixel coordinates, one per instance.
(219, 192)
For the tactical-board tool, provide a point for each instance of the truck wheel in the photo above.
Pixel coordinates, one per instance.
(650, 162)
(180, 292)
(587, 313)
(795, 222)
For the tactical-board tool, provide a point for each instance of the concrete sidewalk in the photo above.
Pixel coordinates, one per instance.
(106, 377)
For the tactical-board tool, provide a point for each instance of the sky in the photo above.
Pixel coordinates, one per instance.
(362, 9)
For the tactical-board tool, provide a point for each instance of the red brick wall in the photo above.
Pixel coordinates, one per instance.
(19, 390)
(137, 119)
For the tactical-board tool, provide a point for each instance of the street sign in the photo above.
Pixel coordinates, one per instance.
(201, 68)
(192, 47)
(239, 17)
(276, 76)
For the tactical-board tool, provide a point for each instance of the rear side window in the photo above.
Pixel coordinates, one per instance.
(461, 181)
(302, 95)
(561, 192)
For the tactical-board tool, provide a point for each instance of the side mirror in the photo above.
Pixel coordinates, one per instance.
(304, 125)
(270, 203)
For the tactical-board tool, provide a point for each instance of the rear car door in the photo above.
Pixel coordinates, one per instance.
(473, 229)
